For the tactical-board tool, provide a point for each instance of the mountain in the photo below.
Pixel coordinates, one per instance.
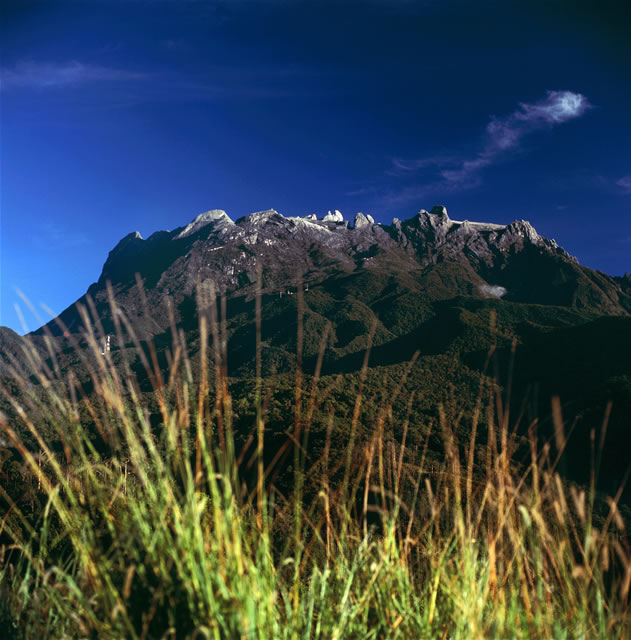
(449, 289)
(442, 257)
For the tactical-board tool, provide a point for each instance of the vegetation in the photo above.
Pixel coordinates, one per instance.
(347, 527)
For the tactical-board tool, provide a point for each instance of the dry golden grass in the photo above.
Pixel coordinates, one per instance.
(155, 534)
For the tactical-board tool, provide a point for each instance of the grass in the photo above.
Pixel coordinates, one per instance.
(172, 533)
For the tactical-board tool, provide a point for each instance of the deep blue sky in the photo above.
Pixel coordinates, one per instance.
(125, 116)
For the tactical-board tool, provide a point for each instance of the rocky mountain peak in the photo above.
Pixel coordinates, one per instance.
(259, 217)
(439, 210)
(336, 216)
(213, 248)
(127, 244)
(362, 221)
(525, 229)
(213, 216)
(437, 218)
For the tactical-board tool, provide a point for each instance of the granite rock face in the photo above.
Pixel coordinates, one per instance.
(487, 259)
(336, 216)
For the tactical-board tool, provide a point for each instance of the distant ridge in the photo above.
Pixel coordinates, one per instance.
(510, 260)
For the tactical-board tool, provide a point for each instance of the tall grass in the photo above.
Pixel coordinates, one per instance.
(161, 532)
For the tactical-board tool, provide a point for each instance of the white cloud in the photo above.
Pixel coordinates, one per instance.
(503, 135)
(557, 106)
(46, 75)
(492, 290)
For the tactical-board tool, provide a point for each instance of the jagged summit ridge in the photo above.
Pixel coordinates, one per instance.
(336, 216)
(432, 233)
(436, 217)
(444, 257)
(209, 217)
(363, 221)
(214, 247)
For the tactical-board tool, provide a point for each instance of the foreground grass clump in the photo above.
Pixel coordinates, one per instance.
(168, 532)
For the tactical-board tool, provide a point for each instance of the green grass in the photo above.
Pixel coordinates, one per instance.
(170, 532)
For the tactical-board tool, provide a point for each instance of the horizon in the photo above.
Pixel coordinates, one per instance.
(136, 116)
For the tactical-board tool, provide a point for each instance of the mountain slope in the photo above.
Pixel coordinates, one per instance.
(429, 254)
(449, 290)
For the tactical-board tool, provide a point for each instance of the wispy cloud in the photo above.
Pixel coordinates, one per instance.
(50, 234)
(47, 75)
(625, 184)
(216, 83)
(503, 136)
(406, 166)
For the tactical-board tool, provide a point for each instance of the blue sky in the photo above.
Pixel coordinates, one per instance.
(132, 115)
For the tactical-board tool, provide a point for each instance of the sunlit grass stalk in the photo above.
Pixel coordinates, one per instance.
(155, 535)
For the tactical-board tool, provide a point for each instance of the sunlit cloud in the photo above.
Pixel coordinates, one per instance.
(46, 75)
(503, 135)
(556, 107)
